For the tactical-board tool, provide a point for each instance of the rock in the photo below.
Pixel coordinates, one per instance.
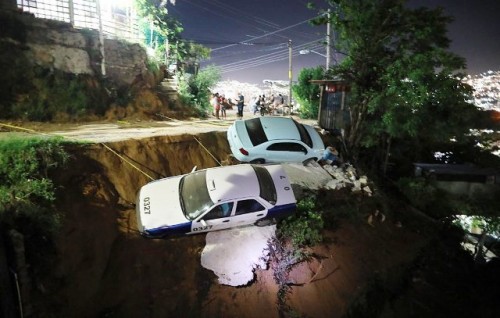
(367, 189)
(370, 219)
(357, 186)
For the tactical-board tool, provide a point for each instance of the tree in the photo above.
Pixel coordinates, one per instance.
(169, 32)
(307, 93)
(406, 87)
(167, 27)
(195, 90)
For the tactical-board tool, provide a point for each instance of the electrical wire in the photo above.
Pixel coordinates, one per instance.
(267, 58)
(273, 47)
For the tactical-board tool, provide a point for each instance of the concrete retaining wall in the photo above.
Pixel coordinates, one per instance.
(57, 45)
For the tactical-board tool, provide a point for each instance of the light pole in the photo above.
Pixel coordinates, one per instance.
(328, 44)
(328, 37)
(290, 73)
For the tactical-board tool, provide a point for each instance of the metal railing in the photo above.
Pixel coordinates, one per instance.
(115, 20)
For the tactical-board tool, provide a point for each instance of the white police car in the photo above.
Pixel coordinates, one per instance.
(214, 199)
(274, 139)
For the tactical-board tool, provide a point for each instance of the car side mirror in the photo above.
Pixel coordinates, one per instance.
(203, 222)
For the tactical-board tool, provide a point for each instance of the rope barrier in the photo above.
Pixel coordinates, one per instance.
(25, 129)
(207, 151)
(127, 161)
(103, 144)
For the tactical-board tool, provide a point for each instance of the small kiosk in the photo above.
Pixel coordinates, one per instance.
(333, 112)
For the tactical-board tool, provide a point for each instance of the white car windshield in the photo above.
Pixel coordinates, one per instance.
(194, 195)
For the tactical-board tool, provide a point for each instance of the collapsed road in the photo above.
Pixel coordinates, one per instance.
(103, 267)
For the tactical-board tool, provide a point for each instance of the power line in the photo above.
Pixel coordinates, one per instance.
(267, 34)
(226, 11)
(266, 58)
(258, 61)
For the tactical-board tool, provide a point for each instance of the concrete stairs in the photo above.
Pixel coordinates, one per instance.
(170, 87)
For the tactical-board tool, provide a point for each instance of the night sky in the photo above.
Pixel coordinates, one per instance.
(249, 38)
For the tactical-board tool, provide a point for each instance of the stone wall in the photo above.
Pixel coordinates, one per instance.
(57, 45)
(124, 61)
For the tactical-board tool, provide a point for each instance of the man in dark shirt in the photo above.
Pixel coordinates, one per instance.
(239, 105)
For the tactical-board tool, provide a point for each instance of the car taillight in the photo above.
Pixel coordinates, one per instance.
(243, 151)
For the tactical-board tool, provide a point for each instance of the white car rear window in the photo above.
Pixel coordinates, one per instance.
(255, 131)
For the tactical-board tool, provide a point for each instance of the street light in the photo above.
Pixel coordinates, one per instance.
(323, 55)
(328, 40)
(311, 51)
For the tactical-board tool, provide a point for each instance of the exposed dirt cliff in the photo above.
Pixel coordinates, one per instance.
(104, 268)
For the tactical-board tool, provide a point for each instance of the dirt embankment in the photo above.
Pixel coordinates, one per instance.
(105, 269)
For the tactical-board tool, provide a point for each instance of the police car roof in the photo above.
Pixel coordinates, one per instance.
(232, 182)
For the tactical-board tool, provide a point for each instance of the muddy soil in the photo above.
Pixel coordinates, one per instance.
(104, 268)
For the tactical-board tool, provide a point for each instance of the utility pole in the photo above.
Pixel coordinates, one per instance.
(290, 72)
(101, 38)
(328, 36)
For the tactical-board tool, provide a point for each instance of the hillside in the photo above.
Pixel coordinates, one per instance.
(104, 268)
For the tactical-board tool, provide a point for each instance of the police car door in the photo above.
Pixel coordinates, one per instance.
(248, 211)
(217, 218)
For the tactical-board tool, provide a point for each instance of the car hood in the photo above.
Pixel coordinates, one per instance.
(162, 198)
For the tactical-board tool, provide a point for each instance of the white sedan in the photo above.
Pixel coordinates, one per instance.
(274, 139)
(214, 199)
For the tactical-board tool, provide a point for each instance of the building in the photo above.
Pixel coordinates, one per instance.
(460, 179)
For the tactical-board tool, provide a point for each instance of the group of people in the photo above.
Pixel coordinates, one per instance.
(260, 104)
(220, 104)
(269, 105)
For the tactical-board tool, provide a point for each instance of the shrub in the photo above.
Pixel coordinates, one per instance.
(307, 93)
(27, 193)
(195, 90)
(304, 228)
(421, 193)
(55, 93)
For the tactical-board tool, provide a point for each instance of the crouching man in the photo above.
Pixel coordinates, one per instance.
(330, 157)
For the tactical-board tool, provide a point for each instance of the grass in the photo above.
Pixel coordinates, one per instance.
(27, 193)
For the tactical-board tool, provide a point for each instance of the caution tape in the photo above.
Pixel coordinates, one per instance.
(207, 151)
(24, 129)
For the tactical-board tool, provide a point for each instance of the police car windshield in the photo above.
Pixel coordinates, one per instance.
(266, 184)
(194, 195)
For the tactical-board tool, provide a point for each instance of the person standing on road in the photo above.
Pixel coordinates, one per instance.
(240, 104)
(256, 105)
(223, 104)
(216, 104)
